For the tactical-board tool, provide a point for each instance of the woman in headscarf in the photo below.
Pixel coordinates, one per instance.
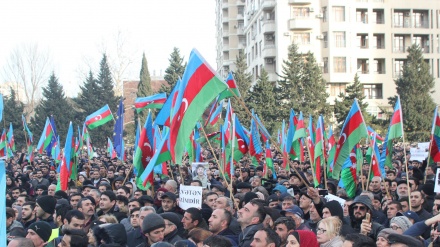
(302, 238)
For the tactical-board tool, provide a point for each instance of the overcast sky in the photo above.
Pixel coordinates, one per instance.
(75, 33)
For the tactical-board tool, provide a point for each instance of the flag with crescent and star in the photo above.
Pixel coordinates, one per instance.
(144, 150)
(202, 86)
(99, 117)
(118, 132)
(46, 137)
(353, 130)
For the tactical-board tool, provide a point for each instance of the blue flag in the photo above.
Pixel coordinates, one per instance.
(119, 130)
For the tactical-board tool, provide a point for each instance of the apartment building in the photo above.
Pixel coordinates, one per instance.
(367, 37)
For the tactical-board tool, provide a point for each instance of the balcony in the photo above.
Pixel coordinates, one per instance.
(268, 4)
(269, 26)
(300, 2)
(300, 24)
(269, 51)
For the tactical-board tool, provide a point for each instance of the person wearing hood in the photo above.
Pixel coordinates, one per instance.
(333, 208)
(172, 226)
(358, 211)
(110, 233)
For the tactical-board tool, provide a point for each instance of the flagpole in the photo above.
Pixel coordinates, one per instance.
(217, 161)
(270, 137)
(369, 173)
(311, 164)
(404, 153)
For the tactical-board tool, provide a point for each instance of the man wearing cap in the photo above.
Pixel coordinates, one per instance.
(219, 225)
(402, 188)
(172, 226)
(169, 203)
(45, 207)
(39, 232)
(297, 215)
(153, 227)
(274, 201)
(244, 187)
(399, 240)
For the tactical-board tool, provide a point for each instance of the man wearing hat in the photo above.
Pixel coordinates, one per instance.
(39, 232)
(297, 215)
(169, 203)
(153, 227)
(244, 187)
(45, 207)
(172, 226)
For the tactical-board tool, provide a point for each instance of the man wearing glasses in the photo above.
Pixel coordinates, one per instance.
(358, 212)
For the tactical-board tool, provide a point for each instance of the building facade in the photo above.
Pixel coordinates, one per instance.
(367, 37)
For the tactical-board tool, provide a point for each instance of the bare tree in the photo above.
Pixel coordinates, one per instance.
(28, 67)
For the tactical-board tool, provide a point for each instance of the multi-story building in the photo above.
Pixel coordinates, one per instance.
(367, 37)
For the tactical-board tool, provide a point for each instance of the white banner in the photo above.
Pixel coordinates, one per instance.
(437, 182)
(190, 197)
(331, 197)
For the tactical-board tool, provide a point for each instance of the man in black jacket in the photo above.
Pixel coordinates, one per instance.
(135, 236)
(172, 227)
(358, 211)
(219, 225)
(251, 218)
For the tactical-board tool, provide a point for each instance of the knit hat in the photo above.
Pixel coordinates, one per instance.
(172, 217)
(152, 222)
(249, 196)
(42, 228)
(385, 232)
(47, 203)
(335, 209)
(401, 221)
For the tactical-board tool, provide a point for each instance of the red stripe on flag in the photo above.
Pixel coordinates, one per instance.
(103, 115)
(396, 118)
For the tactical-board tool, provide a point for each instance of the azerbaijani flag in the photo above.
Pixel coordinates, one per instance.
(353, 130)
(255, 148)
(348, 174)
(214, 114)
(30, 137)
(99, 117)
(371, 132)
(395, 130)
(269, 162)
(163, 117)
(232, 88)
(319, 149)
(300, 129)
(435, 137)
(152, 102)
(3, 144)
(331, 147)
(202, 86)
(66, 162)
(46, 137)
(376, 169)
(11, 140)
(110, 149)
(146, 179)
(144, 149)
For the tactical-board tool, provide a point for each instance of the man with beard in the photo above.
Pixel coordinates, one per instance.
(27, 214)
(45, 207)
(402, 188)
(219, 225)
(417, 200)
(358, 211)
(251, 218)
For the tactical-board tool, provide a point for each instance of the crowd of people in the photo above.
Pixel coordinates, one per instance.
(103, 206)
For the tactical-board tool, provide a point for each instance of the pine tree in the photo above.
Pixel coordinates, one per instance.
(105, 95)
(243, 81)
(144, 89)
(13, 109)
(415, 87)
(262, 99)
(174, 71)
(86, 100)
(289, 90)
(314, 97)
(54, 103)
(352, 91)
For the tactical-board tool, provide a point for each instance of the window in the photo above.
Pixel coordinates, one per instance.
(399, 44)
(362, 16)
(300, 12)
(336, 89)
(339, 13)
(339, 39)
(325, 67)
(398, 67)
(378, 41)
(339, 64)
(363, 66)
(379, 66)
(301, 38)
(378, 16)
(362, 41)
(325, 39)
(420, 19)
(373, 91)
(401, 19)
